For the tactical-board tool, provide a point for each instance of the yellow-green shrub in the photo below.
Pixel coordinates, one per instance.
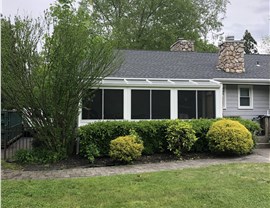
(126, 148)
(229, 137)
(180, 137)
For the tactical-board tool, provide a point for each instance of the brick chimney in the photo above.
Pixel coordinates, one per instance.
(231, 56)
(182, 45)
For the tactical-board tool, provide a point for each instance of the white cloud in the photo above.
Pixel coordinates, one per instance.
(250, 15)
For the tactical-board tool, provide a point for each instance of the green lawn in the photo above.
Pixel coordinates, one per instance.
(233, 185)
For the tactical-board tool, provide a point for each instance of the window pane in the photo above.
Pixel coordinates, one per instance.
(206, 104)
(186, 104)
(113, 104)
(244, 101)
(140, 104)
(92, 105)
(244, 92)
(161, 104)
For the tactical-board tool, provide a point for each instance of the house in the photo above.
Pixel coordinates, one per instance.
(183, 84)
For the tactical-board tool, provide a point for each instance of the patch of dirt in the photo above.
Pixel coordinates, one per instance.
(80, 162)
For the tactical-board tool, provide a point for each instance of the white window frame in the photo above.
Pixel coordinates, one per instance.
(250, 87)
(217, 107)
(173, 101)
(85, 121)
(150, 89)
(224, 97)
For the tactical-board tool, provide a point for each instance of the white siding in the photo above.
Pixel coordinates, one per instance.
(261, 98)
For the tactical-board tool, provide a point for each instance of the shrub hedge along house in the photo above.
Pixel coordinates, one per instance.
(184, 84)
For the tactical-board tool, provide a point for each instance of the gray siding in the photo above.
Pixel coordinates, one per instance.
(260, 102)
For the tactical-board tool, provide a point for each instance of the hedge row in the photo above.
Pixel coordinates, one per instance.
(153, 134)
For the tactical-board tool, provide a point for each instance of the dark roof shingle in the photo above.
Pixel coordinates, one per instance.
(186, 65)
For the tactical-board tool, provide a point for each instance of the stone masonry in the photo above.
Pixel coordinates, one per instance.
(182, 45)
(231, 56)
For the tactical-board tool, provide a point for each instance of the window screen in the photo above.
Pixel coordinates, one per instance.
(140, 104)
(244, 97)
(186, 104)
(206, 104)
(161, 104)
(113, 104)
(92, 105)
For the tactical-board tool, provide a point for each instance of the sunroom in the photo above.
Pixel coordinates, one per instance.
(141, 98)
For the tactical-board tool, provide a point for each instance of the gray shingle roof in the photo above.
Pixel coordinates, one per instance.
(186, 65)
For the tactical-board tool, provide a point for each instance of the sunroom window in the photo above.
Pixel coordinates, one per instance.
(103, 104)
(161, 104)
(150, 104)
(196, 104)
(92, 104)
(140, 104)
(113, 104)
(206, 104)
(186, 104)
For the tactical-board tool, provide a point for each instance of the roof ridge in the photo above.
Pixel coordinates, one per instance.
(145, 50)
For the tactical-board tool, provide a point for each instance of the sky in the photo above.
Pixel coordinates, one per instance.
(253, 15)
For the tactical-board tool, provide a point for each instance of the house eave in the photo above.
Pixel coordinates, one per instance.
(160, 83)
(243, 81)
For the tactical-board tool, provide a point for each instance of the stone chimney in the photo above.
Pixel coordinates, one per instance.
(231, 56)
(182, 45)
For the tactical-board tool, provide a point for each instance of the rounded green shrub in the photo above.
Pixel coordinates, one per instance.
(126, 148)
(229, 137)
(180, 137)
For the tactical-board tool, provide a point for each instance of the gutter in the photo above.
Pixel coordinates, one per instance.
(243, 81)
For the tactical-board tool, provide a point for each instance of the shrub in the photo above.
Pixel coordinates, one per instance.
(229, 137)
(38, 156)
(24, 156)
(95, 138)
(201, 127)
(126, 148)
(100, 134)
(91, 152)
(180, 137)
(252, 126)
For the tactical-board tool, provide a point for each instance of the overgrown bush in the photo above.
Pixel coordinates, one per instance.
(201, 127)
(229, 137)
(24, 156)
(91, 152)
(180, 137)
(126, 148)
(95, 138)
(100, 134)
(252, 126)
(38, 156)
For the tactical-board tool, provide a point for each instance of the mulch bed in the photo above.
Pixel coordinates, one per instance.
(79, 162)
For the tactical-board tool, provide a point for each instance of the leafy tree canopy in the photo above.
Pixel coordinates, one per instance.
(250, 43)
(47, 64)
(156, 24)
(266, 44)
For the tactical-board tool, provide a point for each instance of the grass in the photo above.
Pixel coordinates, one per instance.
(10, 166)
(231, 185)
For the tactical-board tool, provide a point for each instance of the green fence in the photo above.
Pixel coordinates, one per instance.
(11, 128)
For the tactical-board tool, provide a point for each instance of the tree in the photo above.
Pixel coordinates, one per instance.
(266, 44)
(156, 24)
(47, 67)
(250, 43)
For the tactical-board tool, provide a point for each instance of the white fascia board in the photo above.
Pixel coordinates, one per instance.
(193, 83)
(161, 86)
(243, 81)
